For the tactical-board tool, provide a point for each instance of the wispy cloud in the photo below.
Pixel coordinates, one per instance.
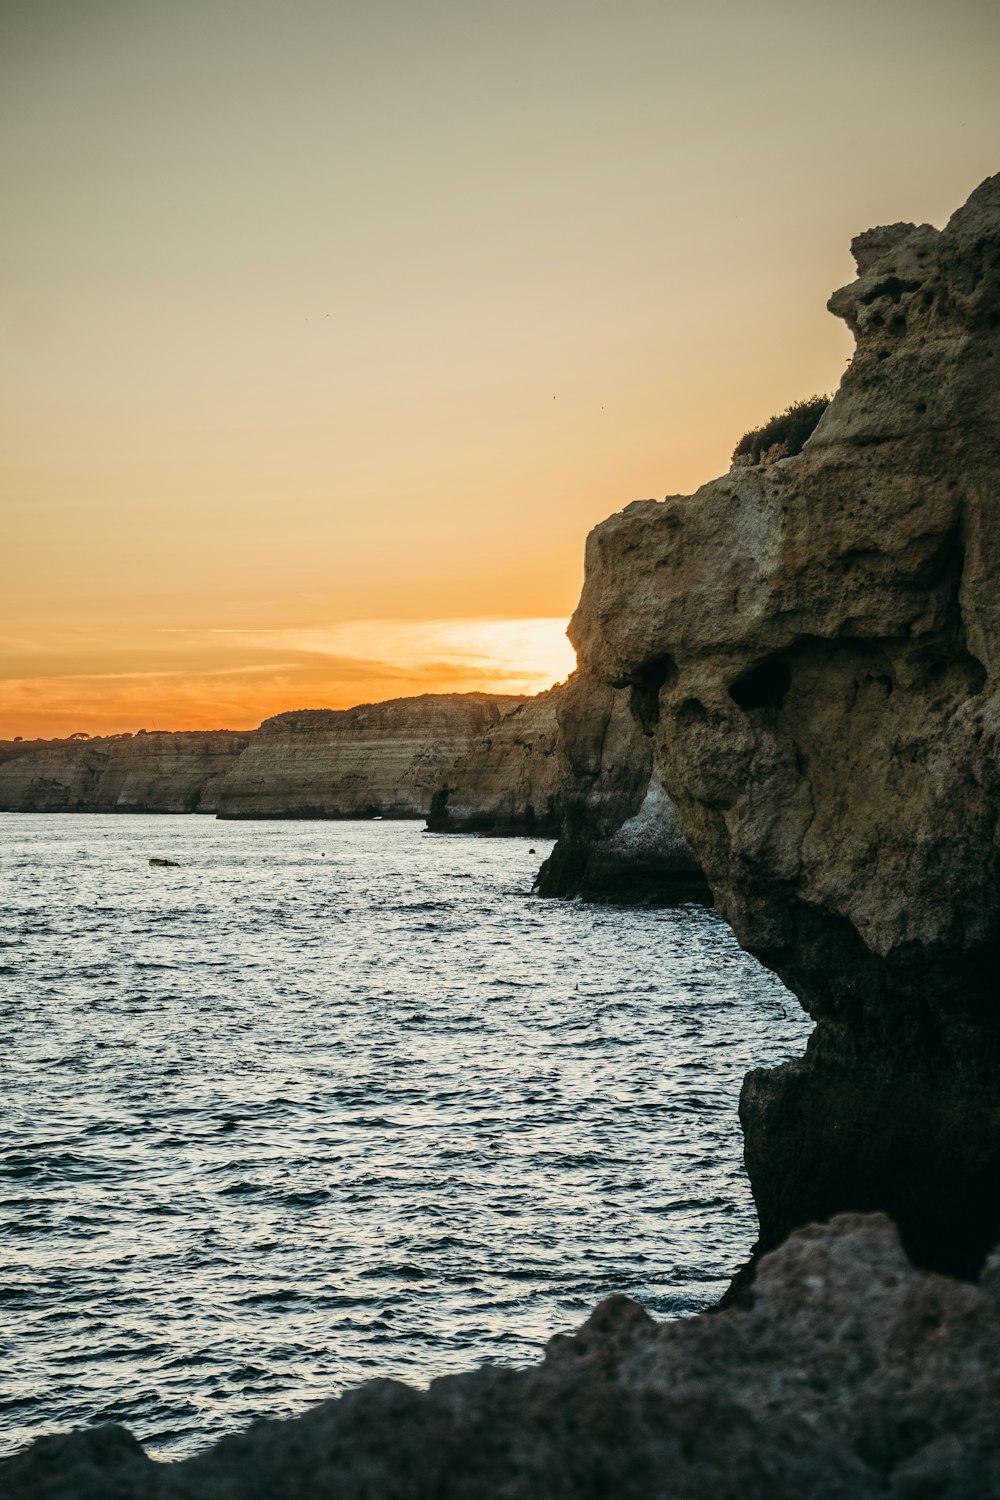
(529, 649)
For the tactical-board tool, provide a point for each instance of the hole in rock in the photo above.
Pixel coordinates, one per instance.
(691, 711)
(764, 686)
(893, 287)
(646, 683)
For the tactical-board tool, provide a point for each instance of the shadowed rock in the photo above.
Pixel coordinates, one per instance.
(619, 838)
(851, 1376)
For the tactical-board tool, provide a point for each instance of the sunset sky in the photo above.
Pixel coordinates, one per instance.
(327, 331)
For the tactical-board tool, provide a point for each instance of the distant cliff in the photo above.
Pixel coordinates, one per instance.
(619, 838)
(147, 772)
(508, 781)
(377, 760)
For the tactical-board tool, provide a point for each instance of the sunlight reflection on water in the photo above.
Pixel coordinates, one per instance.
(332, 1100)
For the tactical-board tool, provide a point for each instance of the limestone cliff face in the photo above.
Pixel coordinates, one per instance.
(619, 839)
(818, 642)
(147, 772)
(508, 781)
(376, 760)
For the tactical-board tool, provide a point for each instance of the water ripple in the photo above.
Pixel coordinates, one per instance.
(332, 1100)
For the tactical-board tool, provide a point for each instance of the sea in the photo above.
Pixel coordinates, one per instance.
(329, 1101)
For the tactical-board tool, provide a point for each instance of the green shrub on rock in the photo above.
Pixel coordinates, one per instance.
(783, 436)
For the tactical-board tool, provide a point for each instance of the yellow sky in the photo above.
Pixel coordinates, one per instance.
(327, 331)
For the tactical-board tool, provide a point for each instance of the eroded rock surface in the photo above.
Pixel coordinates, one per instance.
(825, 637)
(508, 781)
(619, 838)
(375, 760)
(155, 771)
(851, 1376)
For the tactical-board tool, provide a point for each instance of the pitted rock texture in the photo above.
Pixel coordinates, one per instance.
(375, 760)
(619, 838)
(851, 1376)
(825, 636)
(155, 771)
(508, 781)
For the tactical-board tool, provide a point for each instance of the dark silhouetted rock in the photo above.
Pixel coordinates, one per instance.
(851, 1376)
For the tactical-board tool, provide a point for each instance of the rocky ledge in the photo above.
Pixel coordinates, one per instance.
(851, 1376)
(816, 646)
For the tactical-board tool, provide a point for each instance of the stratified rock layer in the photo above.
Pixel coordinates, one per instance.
(619, 837)
(377, 760)
(147, 772)
(850, 1377)
(508, 781)
(824, 637)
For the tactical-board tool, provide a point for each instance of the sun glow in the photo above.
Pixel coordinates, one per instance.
(234, 677)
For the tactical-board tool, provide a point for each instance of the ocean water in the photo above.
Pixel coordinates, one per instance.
(336, 1100)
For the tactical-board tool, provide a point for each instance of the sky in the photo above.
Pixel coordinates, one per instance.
(328, 331)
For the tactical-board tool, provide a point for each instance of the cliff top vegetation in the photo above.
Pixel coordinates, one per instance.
(783, 436)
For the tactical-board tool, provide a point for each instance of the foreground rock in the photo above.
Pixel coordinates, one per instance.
(619, 836)
(823, 638)
(377, 760)
(508, 781)
(153, 771)
(851, 1376)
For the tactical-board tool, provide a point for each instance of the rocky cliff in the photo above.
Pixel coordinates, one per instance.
(619, 836)
(377, 760)
(508, 781)
(851, 1377)
(817, 645)
(147, 772)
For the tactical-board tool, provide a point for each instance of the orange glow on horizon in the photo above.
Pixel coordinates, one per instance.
(333, 666)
